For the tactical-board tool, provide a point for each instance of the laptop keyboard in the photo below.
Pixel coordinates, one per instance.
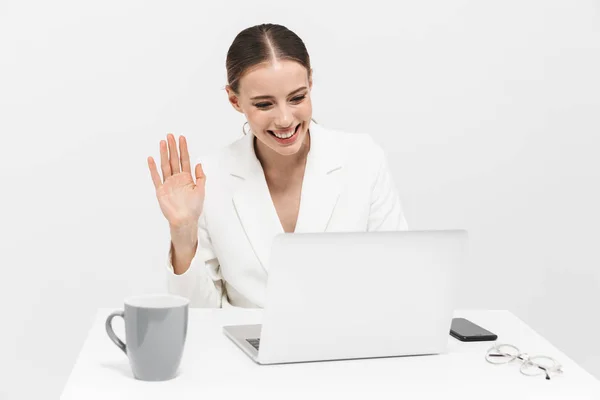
(254, 342)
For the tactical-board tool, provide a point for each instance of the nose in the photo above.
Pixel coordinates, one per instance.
(284, 119)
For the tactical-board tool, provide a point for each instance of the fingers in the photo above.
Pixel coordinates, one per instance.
(169, 159)
(154, 173)
(185, 155)
(164, 161)
(173, 156)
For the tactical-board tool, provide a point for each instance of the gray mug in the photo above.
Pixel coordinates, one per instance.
(155, 332)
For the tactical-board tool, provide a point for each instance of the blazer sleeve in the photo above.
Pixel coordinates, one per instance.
(386, 212)
(202, 283)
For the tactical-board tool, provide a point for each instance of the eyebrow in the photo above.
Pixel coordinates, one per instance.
(272, 97)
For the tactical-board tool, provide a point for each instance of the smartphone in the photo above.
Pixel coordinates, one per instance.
(467, 331)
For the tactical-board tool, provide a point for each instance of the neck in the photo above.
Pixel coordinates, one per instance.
(273, 162)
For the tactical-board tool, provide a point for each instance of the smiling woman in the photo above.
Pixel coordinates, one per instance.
(271, 87)
(284, 175)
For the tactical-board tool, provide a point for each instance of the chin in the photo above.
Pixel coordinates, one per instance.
(288, 151)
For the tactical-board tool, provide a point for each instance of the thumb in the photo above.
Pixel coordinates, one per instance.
(199, 174)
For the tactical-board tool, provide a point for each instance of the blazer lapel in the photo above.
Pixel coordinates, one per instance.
(322, 182)
(253, 202)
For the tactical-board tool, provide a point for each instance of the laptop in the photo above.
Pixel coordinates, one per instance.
(351, 295)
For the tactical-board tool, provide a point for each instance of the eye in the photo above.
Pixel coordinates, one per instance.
(296, 99)
(299, 98)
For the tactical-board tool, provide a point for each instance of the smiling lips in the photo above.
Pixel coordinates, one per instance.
(288, 137)
(284, 134)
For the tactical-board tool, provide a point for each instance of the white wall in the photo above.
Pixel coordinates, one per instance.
(489, 112)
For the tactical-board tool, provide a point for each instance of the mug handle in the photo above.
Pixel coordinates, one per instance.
(111, 333)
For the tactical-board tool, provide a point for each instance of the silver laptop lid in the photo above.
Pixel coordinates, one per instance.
(360, 294)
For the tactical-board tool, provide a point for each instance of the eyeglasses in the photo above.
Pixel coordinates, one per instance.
(531, 365)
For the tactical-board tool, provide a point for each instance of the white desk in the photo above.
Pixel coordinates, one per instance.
(213, 367)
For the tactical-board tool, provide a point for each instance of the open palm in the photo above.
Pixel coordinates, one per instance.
(180, 198)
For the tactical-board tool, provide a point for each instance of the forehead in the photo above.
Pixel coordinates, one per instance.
(278, 79)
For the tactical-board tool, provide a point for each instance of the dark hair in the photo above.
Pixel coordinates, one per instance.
(261, 44)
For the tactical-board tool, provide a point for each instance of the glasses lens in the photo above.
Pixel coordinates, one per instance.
(537, 364)
(502, 353)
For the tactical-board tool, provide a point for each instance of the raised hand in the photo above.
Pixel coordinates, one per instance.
(180, 199)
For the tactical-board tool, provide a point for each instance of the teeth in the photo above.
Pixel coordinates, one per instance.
(286, 135)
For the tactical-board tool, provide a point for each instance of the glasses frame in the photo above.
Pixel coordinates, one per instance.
(526, 360)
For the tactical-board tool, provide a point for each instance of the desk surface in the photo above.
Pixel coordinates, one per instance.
(213, 366)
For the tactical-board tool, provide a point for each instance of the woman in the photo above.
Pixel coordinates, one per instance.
(285, 175)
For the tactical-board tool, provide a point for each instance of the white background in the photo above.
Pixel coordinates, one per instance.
(489, 112)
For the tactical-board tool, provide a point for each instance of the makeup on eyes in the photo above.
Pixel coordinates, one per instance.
(264, 105)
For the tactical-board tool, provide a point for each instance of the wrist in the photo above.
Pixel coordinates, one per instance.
(184, 236)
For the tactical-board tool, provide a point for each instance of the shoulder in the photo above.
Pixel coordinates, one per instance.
(354, 146)
(218, 161)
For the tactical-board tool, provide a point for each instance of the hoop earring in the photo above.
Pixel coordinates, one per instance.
(243, 130)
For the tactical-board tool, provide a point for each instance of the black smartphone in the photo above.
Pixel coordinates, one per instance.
(467, 331)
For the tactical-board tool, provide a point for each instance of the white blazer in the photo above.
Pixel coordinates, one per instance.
(347, 187)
